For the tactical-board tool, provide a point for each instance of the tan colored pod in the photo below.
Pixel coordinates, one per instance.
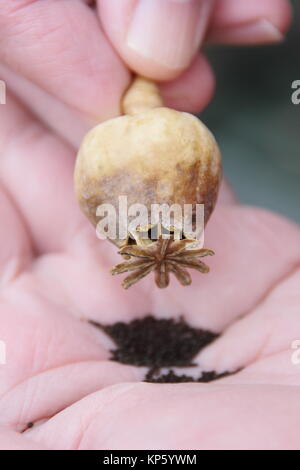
(159, 156)
(156, 156)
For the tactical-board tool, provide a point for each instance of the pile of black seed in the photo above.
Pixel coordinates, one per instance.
(172, 378)
(157, 343)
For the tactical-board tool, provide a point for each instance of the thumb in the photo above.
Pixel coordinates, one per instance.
(156, 38)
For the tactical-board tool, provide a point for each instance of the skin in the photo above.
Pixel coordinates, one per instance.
(31, 30)
(54, 276)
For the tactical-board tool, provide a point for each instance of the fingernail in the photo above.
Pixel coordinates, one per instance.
(168, 31)
(260, 31)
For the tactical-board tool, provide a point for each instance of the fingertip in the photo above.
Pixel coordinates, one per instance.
(284, 19)
(255, 22)
(154, 38)
(193, 90)
(64, 51)
(281, 15)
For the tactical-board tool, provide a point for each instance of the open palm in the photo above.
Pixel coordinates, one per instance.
(54, 277)
(54, 271)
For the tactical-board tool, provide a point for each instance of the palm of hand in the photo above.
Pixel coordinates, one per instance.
(55, 276)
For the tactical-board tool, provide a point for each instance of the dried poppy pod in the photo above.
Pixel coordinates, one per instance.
(151, 155)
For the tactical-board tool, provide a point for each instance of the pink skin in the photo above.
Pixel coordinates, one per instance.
(57, 58)
(54, 277)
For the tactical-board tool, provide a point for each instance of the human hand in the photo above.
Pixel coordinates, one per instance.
(54, 277)
(70, 69)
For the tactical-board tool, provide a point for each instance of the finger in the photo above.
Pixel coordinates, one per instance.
(53, 390)
(37, 170)
(47, 337)
(156, 39)
(200, 417)
(271, 328)
(245, 266)
(193, 90)
(276, 369)
(255, 22)
(66, 121)
(14, 235)
(16, 250)
(59, 45)
(190, 92)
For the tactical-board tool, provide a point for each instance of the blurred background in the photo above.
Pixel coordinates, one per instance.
(256, 123)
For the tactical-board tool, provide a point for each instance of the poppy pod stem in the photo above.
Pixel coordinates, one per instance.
(142, 95)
